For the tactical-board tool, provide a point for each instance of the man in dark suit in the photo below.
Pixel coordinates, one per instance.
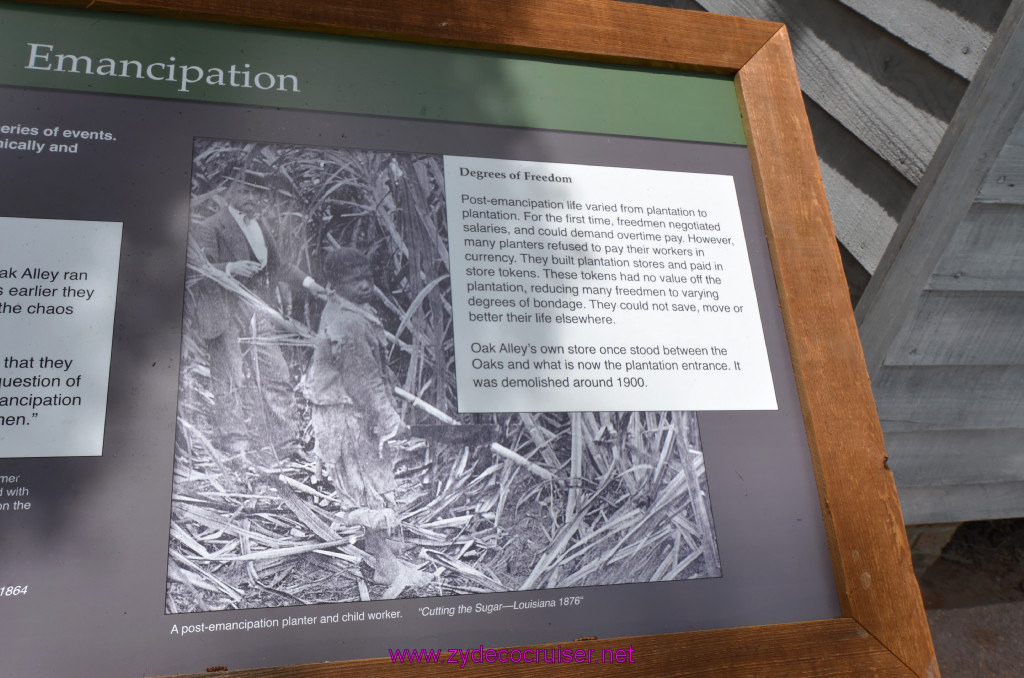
(254, 407)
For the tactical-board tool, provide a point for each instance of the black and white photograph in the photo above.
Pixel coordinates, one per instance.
(319, 454)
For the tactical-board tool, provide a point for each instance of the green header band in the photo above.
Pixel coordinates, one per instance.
(144, 56)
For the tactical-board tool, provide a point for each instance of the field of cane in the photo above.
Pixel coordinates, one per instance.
(556, 500)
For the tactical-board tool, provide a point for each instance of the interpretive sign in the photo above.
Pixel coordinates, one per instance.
(358, 482)
(57, 285)
(360, 360)
(587, 287)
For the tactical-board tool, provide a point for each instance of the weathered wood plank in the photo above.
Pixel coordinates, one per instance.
(600, 31)
(936, 29)
(962, 328)
(861, 224)
(990, 109)
(985, 253)
(943, 457)
(1005, 181)
(1017, 135)
(893, 98)
(950, 397)
(865, 194)
(871, 559)
(958, 503)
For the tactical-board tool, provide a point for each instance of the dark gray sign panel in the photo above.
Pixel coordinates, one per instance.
(249, 505)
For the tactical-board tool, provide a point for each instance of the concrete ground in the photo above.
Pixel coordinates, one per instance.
(978, 642)
(974, 598)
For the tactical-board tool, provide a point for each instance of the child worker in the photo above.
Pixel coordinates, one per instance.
(350, 388)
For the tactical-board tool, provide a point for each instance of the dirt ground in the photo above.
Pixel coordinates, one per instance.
(974, 597)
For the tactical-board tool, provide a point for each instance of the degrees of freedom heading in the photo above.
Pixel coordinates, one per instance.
(42, 58)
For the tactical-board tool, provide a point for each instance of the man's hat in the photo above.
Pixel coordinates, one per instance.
(345, 264)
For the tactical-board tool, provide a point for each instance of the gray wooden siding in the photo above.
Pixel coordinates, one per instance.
(889, 98)
(987, 252)
(930, 398)
(882, 80)
(964, 328)
(950, 456)
(956, 503)
(949, 474)
(955, 33)
(950, 393)
(1005, 181)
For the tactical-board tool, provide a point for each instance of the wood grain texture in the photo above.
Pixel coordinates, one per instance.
(822, 649)
(985, 253)
(951, 457)
(939, 31)
(950, 397)
(871, 559)
(991, 107)
(1017, 135)
(895, 100)
(957, 503)
(598, 31)
(1005, 181)
(962, 328)
(866, 195)
(861, 224)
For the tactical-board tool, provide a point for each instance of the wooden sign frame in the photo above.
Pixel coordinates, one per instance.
(883, 630)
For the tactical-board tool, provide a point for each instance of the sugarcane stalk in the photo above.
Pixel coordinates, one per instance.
(497, 448)
(226, 281)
